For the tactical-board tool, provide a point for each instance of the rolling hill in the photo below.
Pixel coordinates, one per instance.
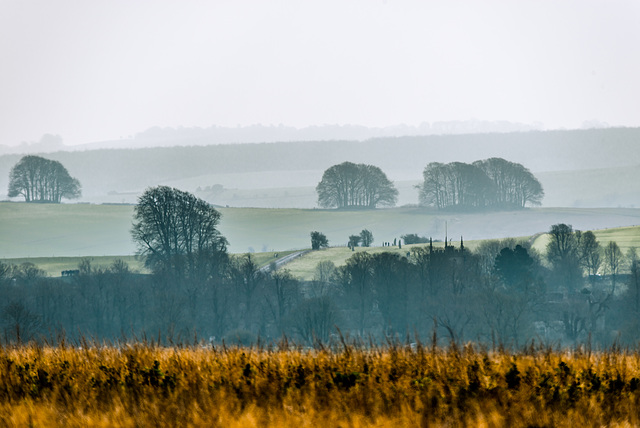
(285, 174)
(46, 230)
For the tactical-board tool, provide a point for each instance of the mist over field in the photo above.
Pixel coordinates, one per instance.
(579, 168)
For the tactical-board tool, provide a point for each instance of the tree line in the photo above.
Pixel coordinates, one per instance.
(493, 183)
(501, 292)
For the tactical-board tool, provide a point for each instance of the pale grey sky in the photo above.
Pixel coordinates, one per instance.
(98, 70)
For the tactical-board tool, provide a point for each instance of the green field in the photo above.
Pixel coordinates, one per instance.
(304, 267)
(53, 266)
(78, 230)
(625, 237)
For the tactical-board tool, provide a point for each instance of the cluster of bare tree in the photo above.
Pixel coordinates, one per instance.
(42, 180)
(350, 185)
(492, 183)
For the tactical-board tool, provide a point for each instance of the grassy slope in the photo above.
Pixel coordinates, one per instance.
(32, 230)
(304, 267)
(46, 230)
(289, 228)
(53, 266)
(625, 237)
(611, 187)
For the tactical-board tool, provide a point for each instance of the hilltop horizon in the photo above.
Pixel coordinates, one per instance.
(158, 136)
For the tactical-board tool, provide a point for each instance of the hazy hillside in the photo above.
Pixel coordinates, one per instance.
(598, 187)
(45, 230)
(118, 175)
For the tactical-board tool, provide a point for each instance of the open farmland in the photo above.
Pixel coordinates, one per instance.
(304, 267)
(64, 230)
(53, 266)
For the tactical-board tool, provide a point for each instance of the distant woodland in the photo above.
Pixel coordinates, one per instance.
(402, 158)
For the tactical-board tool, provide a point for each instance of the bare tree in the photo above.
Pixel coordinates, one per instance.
(177, 232)
(354, 241)
(315, 318)
(494, 183)
(613, 260)
(562, 253)
(323, 278)
(318, 240)
(366, 237)
(282, 292)
(246, 278)
(590, 253)
(514, 185)
(21, 325)
(355, 185)
(355, 278)
(42, 180)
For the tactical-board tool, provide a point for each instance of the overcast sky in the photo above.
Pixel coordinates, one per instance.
(99, 70)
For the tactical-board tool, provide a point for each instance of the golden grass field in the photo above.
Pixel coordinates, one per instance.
(349, 386)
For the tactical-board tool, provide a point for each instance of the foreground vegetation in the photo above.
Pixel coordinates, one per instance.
(394, 385)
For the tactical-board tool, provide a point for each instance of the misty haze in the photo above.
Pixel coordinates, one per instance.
(363, 213)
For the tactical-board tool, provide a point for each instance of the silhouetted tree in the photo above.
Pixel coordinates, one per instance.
(514, 267)
(514, 186)
(562, 253)
(390, 278)
(42, 180)
(318, 240)
(366, 237)
(414, 238)
(354, 241)
(355, 185)
(634, 285)
(314, 319)
(355, 279)
(281, 294)
(323, 278)
(590, 254)
(246, 278)
(21, 325)
(178, 232)
(492, 183)
(613, 260)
